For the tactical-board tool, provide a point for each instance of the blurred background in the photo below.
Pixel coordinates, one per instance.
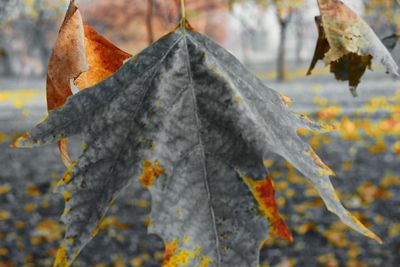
(277, 44)
(253, 30)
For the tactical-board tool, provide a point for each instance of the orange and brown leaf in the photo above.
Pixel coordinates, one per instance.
(68, 59)
(81, 54)
(347, 44)
(103, 58)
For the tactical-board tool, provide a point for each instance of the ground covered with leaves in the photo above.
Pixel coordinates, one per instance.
(364, 152)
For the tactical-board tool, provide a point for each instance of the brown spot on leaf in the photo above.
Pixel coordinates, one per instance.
(325, 170)
(170, 249)
(287, 101)
(264, 193)
(150, 173)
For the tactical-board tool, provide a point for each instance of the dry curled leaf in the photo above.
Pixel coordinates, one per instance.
(348, 44)
(80, 53)
(68, 59)
(190, 122)
(103, 58)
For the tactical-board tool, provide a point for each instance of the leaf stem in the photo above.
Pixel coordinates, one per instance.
(183, 12)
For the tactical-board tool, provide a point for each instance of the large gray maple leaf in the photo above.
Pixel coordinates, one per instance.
(186, 112)
(392, 43)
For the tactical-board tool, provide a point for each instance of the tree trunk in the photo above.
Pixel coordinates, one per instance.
(149, 21)
(281, 66)
(299, 24)
(5, 64)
